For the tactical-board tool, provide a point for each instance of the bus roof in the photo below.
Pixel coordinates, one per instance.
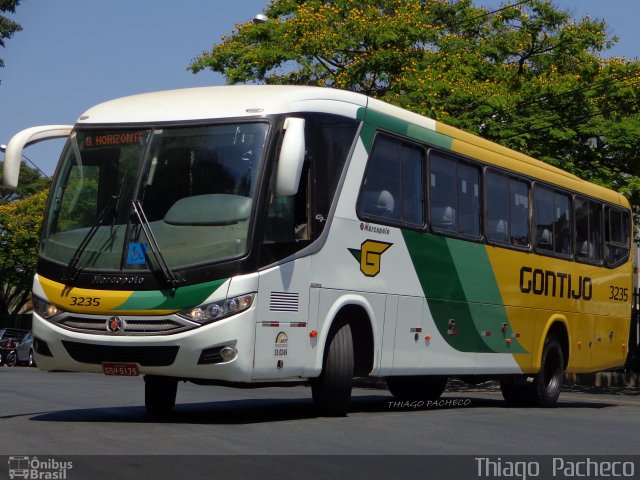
(205, 103)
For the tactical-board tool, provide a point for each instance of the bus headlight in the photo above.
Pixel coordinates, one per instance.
(211, 312)
(45, 309)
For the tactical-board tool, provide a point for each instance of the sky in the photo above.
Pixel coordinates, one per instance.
(73, 54)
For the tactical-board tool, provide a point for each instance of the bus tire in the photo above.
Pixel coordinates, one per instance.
(160, 394)
(417, 387)
(331, 391)
(546, 385)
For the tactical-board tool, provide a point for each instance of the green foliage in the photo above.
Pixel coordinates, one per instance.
(31, 181)
(21, 211)
(528, 76)
(7, 27)
(20, 223)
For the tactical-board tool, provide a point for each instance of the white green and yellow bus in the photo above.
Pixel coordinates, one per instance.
(260, 235)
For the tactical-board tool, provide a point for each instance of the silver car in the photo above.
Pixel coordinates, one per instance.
(24, 351)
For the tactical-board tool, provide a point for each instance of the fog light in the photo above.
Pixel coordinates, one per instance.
(228, 354)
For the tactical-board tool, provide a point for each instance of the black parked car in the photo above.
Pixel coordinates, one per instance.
(9, 339)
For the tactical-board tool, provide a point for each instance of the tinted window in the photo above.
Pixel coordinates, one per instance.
(393, 185)
(507, 209)
(588, 221)
(617, 235)
(551, 213)
(454, 195)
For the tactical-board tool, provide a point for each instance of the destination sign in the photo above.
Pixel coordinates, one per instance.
(113, 139)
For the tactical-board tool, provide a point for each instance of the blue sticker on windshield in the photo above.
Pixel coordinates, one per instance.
(136, 254)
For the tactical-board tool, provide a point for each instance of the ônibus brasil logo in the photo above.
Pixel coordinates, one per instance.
(34, 468)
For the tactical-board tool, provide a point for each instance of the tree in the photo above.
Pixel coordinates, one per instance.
(527, 75)
(20, 223)
(21, 212)
(7, 27)
(31, 181)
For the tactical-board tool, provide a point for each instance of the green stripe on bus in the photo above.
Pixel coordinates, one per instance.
(458, 282)
(375, 119)
(482, 294)
(443, 290)
(182, 298)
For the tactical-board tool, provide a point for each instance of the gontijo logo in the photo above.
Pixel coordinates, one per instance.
(369, 256)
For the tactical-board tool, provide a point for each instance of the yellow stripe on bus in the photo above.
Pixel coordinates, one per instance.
(91, 301)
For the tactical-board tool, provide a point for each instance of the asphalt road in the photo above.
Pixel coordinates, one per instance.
(73, 413)
(58, 414)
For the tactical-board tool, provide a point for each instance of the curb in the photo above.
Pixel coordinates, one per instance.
(603, 379)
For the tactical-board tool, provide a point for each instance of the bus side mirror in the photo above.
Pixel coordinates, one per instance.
(291, 157)
(13, 153)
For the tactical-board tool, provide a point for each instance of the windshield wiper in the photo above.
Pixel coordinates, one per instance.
(71, 273)
(172, 279)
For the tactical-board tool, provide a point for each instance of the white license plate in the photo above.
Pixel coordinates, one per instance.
(121, 369)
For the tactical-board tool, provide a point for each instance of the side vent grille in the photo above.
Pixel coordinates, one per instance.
(284, 302)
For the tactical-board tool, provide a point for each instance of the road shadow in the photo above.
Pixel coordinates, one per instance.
(254, 411)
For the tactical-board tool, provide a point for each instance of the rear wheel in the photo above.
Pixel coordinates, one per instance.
(31, 362)
(332, 389)
(544, 389)
(418, 387)
(160, 394)
(12, 359)
(546, 385)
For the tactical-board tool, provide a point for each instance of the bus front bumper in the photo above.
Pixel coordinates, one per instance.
(192, 354)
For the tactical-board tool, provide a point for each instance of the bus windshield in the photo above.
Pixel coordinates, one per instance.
(195, 186)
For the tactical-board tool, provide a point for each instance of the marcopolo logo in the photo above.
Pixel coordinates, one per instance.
(38, 469)
(369, 256)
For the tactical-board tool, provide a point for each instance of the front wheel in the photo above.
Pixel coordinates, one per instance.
(160, 394)
(418, 387)
(331, 391)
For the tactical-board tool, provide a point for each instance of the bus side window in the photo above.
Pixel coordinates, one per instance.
(392, 189)
(552, 217)
(442, 190)
(616, 235)
(381, 186)
(543, 215)
(454, 192)
(561, 223)
(588, 227)
(497, 207)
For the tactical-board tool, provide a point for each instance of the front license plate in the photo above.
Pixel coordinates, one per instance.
(121, 369)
